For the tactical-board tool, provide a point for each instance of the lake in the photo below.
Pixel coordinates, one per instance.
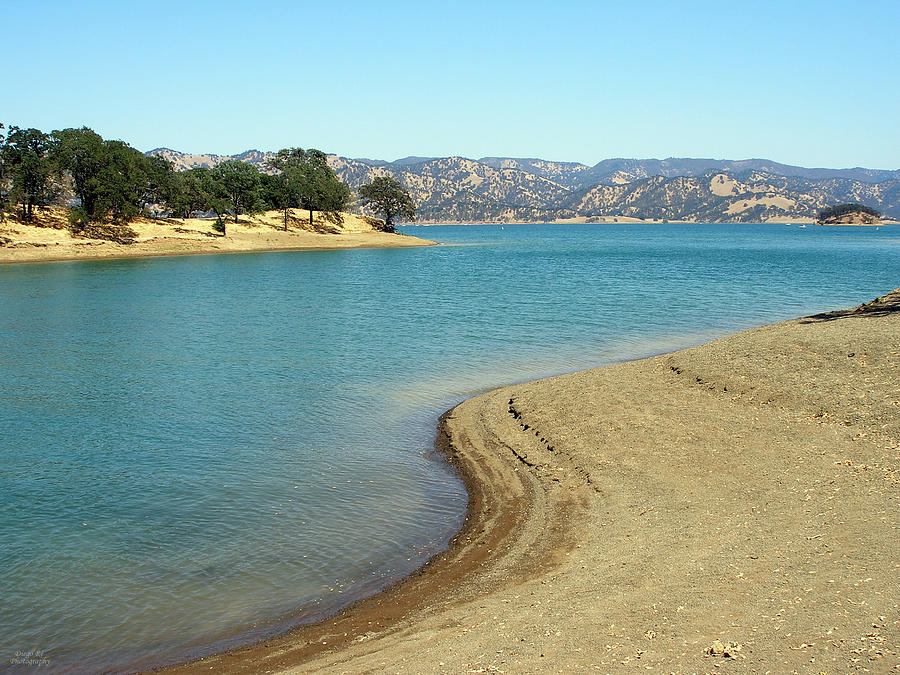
(200, 451)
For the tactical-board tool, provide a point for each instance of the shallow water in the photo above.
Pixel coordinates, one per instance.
(193, 446)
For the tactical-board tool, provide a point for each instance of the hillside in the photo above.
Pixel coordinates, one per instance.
(503, 189)
(182, 161)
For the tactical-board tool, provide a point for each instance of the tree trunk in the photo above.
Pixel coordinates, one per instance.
(310, 216)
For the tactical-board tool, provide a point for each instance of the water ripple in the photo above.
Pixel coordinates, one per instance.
(189, 446)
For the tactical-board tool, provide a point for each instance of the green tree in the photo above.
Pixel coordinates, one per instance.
(215, 196)
(27, 164)
(386, 196)
(186, 193)
(198, 189)
(240, 182)
(110, 178)
(122, 181)
(306, 180)
(81, 154)
(159, 177)
(332, 197)
(4, 188)
(279, 192)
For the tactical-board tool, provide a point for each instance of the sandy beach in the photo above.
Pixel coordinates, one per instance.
(728, 508)
(20, 242)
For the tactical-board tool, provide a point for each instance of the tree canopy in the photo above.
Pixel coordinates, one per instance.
(3, 187)
(386, 196)
(111, 179)
(240, 183)
(79, 152)
(26, 170)
(305, 180)
(188, 192)
(123, 181)
(108, 180)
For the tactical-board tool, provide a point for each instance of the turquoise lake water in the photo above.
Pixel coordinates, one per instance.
(200, 450)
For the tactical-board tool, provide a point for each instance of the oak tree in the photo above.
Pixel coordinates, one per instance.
(306, 181)
(386, 196)
(240, 182)
(81, 154)
(27, 169)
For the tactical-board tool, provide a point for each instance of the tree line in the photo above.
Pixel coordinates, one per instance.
(113, 182)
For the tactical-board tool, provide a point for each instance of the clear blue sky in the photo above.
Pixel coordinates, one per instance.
(808, 83)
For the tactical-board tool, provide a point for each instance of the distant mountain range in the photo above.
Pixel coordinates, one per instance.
(504, 189)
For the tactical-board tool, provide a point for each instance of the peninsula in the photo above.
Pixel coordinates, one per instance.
(49, 239)
(730, 503)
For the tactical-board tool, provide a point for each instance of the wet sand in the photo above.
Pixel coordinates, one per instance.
(733, 507)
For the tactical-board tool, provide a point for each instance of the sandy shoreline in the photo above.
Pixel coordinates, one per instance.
(23, 243)
(733, 507)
